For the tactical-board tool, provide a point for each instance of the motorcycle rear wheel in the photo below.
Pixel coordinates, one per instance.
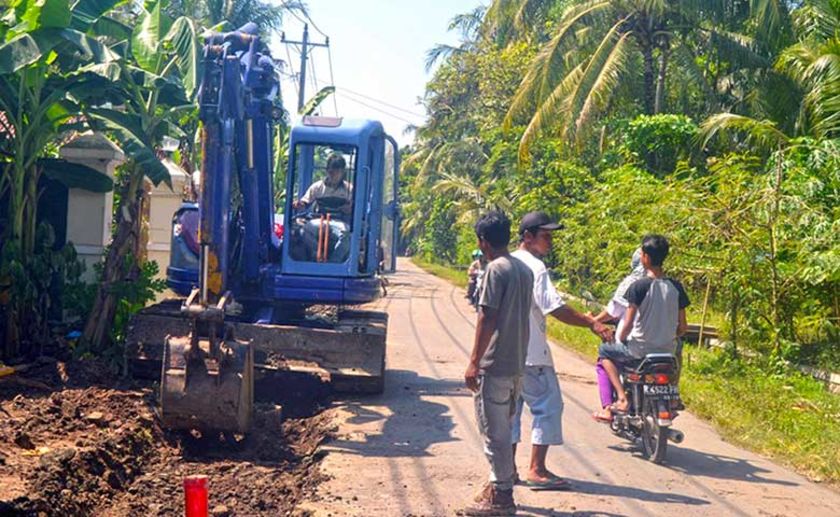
(654, 440)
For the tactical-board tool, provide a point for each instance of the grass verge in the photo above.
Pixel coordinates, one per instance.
(789, 417)
(456, 276)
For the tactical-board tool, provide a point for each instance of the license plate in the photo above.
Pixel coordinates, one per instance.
(663, 391)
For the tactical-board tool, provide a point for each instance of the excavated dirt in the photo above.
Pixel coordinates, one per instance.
(75, 440)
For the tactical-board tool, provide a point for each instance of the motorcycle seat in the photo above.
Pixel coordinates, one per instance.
(637, 365)
(630, 366)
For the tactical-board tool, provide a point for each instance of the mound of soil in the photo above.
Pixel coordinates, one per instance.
(75, 440)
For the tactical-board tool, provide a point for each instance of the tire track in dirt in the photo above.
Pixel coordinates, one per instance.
(428, 488)
(445, 327)
(452, 403)
(467, 319)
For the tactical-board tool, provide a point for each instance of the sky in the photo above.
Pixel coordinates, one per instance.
(378, 50)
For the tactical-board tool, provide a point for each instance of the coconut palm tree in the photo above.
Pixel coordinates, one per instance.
(602, 47)
(813, 63)
(468, 26)
(235, 13)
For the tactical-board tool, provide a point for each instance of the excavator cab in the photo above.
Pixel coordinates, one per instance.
(339, 224)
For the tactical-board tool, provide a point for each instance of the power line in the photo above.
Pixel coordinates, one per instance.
(332, 79)
(362, 95)
(292, 68)
(293, 11)
(312, 71)
(351, 99)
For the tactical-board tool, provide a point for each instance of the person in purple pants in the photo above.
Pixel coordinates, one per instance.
(614, 312)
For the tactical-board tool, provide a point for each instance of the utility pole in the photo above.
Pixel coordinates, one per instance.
(305, 45)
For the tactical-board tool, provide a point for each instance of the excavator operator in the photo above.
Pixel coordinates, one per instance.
(333, 186)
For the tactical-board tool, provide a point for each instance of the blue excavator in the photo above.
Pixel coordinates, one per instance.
(268, 293)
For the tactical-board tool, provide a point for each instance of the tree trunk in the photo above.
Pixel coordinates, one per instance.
(733, 322)
(775, 288)
(19, 233)
(664, 54)
(125, 242)
(650, 87)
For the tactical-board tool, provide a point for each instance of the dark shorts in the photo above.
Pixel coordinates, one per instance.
(616, 352)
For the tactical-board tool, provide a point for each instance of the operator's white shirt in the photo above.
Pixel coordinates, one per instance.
(320, 189)
(546, 300)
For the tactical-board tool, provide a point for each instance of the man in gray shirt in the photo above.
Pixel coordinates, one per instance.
(498, 358)
(654, 319)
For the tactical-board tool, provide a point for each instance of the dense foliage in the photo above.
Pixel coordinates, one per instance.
(715, 123)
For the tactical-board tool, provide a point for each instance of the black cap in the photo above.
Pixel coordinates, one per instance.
(537, 220)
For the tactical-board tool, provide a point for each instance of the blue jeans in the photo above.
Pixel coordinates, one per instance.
(618, 353)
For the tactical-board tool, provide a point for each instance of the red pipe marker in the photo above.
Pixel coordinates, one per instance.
(195, 496)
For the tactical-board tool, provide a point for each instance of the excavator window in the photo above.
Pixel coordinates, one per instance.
(324, 177)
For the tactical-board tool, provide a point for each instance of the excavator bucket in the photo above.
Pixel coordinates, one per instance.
(198, 392)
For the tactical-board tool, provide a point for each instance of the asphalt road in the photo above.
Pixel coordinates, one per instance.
(415, 450)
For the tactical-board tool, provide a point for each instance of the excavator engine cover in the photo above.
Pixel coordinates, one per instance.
(199, 392)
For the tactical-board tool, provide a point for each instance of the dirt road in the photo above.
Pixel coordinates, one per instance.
(415, 450)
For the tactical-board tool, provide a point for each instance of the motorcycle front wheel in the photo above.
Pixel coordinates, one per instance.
(654, 440)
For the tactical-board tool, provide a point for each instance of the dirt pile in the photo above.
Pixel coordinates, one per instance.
(74, 440)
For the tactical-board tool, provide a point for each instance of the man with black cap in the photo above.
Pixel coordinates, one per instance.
(540, 389)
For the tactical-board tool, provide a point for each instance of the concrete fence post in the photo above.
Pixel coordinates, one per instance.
(89, 214)
(163, 203)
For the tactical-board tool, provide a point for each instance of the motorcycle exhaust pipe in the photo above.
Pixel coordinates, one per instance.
(676, 436)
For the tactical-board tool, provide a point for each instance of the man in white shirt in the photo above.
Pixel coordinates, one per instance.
(333, 186)
(540, 389)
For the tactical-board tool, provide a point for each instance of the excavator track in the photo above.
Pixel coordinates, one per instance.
(349, 352)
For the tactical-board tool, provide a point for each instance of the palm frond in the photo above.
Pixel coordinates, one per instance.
(738, 49)
(818, 19)
(761, 134)
(604, 80)
(528, 13)
(468, 24)
(688, 62)
(769, 18)
(550, 110)
(439, 52)
(550, 63)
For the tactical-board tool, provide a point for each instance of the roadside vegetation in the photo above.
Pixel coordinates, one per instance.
(715, 123)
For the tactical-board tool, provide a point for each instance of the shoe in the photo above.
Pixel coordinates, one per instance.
(491, 502)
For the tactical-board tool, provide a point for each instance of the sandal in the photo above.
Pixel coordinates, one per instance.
(602, 418)
(552, 483)
(615, 409)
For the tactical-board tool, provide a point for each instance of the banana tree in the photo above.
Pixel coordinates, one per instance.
(158, 72)
(42, 91)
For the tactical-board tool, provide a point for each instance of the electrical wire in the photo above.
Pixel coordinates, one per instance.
(293, 73)
(347, 90)
(312, 73)
(332, 78)
(351, 99)
(293, 11)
